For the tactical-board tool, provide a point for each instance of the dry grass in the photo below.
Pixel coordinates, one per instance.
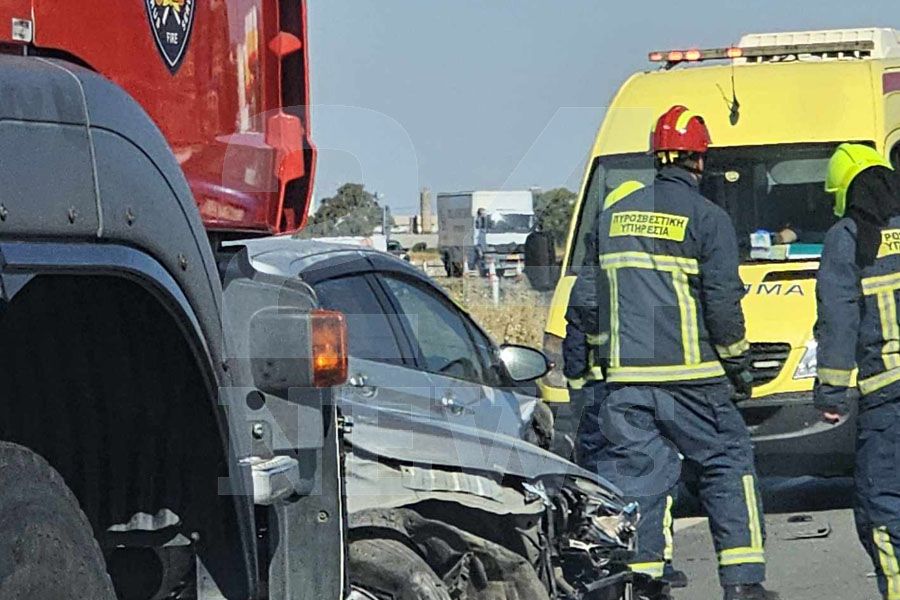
(431, 256)
(520, 316)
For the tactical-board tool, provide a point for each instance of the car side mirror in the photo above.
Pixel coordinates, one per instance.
(523, 363)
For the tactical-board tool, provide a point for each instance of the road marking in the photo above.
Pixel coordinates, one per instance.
(682, 524)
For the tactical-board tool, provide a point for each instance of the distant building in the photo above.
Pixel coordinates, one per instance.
(404, 224)
(426, 222)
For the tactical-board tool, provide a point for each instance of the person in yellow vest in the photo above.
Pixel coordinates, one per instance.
(858, 331)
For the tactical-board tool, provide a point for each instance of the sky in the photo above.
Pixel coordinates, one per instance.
(503, 94)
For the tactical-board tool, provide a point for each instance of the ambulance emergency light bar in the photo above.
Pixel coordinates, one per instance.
(848, 49)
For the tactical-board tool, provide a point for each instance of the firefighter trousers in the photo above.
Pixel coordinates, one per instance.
(877, 506)
(648, 431)
(589, 437)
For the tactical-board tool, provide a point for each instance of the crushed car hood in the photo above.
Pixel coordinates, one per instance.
(409, 438)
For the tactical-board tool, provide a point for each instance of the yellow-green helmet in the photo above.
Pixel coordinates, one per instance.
(849, 160)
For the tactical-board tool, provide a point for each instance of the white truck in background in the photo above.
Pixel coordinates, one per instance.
(465, 240)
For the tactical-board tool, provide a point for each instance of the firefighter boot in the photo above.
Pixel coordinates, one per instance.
(651, 589)
(753, 591)
(675, 578)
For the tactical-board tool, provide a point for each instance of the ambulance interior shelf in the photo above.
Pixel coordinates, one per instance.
(771, 188)
(783, 252)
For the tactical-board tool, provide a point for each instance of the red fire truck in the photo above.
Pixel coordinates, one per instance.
(166, 411)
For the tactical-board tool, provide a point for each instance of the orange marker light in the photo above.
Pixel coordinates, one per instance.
(329, 348)
(656, 57)
(676, 56)
(734, 53)
(693, 55)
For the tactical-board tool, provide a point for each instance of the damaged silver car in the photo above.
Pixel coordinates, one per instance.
(449, 495)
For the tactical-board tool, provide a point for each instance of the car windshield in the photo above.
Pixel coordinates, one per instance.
(510, 223)
(769, 188)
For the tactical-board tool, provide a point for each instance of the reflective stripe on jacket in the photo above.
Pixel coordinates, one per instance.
(857, 324)
(586, 346)
(674, 294)
(581, 358)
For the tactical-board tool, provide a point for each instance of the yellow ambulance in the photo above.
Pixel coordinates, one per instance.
(777, 106)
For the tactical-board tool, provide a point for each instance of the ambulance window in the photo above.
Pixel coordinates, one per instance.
(773, 188)
(607, 173)
(587, 219)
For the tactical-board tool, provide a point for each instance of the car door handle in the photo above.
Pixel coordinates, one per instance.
(360, 381)
(451, 404)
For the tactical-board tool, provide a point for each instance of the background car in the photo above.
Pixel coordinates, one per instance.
(396, 248)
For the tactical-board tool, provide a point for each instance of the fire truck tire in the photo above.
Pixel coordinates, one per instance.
(390, 570)
(47, 547)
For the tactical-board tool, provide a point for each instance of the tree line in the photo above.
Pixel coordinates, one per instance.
(355, 212)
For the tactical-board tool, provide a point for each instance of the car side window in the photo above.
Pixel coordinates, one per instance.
(371, 336)
(439, 330)
(487, 352)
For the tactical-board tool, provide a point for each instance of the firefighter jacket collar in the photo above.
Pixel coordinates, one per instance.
(677, 174)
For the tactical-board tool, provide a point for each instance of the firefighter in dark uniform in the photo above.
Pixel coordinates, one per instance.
(672, 297)
(585, 346)
(856, 290)
(584, 351)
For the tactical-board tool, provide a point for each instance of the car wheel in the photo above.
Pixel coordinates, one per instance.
(47, 547)
(391, 570)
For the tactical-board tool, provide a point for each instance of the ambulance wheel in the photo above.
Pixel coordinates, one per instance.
(390, 570)
(47, 546)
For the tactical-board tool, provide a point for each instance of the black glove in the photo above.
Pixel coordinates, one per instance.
(743, 385)
(738, 371)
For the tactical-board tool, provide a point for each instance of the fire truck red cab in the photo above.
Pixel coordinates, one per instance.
(226, 81)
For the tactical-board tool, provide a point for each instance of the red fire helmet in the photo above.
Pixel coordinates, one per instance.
(679, 129)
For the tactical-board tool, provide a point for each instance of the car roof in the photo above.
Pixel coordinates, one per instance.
(314, 261)
(290, 257)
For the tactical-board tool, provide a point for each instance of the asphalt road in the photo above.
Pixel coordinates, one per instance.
(829, 564)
